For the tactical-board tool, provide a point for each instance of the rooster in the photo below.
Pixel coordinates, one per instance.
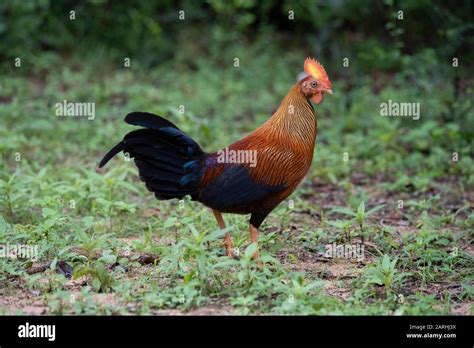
(173, 165)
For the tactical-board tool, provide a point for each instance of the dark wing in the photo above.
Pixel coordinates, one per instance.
(234, 190)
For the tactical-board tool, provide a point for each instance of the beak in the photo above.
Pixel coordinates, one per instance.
(328, 91)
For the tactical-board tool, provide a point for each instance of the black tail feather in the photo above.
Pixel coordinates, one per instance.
(169, 161)
(115, 150)
(147, 120)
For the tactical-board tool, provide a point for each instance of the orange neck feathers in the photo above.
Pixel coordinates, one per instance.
(294, 120)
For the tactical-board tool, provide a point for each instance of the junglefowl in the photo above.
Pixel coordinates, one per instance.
(173, 165)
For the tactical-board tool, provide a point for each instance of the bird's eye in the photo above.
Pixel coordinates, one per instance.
(314, 84)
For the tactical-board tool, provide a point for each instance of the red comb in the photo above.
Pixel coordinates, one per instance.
(314, 68)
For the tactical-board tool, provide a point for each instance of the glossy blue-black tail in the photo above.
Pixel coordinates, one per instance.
(169, 161)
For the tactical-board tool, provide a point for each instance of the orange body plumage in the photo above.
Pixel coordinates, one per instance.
(284, 148)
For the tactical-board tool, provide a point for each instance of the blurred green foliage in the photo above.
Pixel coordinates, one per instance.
(48, 162)
(414, 47)
(151, 31)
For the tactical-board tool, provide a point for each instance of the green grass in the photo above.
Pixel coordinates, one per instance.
(399, 191)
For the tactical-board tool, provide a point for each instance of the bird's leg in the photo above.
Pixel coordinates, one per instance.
(254, 239)
(229, 245)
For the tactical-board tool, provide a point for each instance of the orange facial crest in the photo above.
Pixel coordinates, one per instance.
(313, 68)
